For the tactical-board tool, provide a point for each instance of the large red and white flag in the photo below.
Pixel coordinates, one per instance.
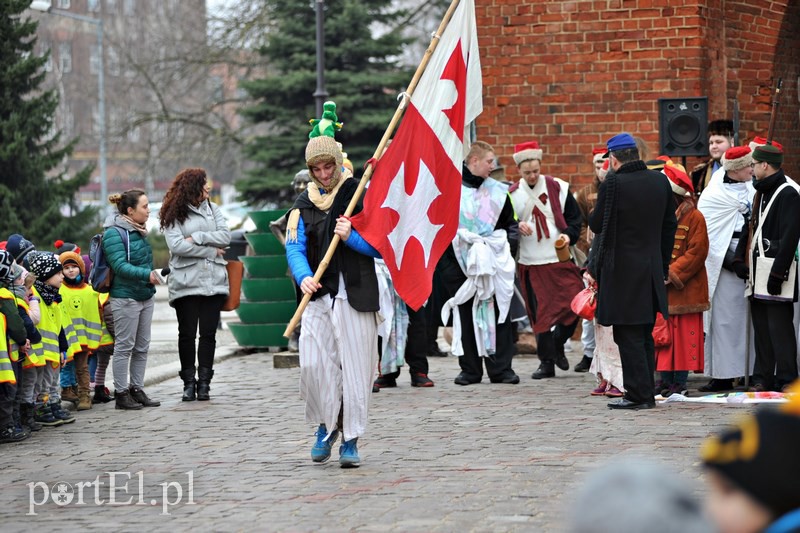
(411, 207)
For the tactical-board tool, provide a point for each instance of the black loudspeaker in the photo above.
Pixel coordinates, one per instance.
(683, 126)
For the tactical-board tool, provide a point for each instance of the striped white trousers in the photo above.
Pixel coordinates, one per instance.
(338, 361)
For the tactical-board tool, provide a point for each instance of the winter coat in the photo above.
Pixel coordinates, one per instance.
(631, 281)
(687, 291)
(353, 263)
(586, 199)
(196, 269)
(781, 227)
(132, 265)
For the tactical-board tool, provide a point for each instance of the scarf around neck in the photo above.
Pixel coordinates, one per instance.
(141, 228)
(48, 293)
(539, 218)
(322, 201)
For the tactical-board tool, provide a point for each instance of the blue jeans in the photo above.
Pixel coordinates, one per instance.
(68, 378)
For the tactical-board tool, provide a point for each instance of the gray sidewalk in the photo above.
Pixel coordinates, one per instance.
(478, 458)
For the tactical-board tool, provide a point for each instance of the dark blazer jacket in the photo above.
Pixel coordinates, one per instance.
(631, 289)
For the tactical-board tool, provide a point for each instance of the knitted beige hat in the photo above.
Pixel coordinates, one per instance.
(320, 149)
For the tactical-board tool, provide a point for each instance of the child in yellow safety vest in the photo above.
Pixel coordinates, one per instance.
(22, 357)
(80, 303)
(12, 330)
(58, 336)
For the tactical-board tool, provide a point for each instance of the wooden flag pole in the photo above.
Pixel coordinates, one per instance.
(398, 114)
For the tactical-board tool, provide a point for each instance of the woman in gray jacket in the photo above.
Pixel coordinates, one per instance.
(197, 235)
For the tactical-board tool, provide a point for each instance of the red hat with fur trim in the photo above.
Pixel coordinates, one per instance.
(761, 141)
(737, 158)
(679, 181)
(527, 152)
(598, 153)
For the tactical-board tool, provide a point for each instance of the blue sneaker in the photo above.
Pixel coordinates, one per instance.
(321, 451)
(348, 454)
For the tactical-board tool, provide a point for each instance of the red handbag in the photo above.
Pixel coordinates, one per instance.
(584, 304)
(662, 336)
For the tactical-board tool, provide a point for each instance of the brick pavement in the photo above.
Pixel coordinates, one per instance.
(478, 458)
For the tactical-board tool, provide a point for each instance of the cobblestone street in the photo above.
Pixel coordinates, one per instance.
(479, 458)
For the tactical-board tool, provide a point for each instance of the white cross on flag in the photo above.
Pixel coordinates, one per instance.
(411, 207)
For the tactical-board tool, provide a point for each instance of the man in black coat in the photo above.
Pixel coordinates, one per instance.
(775, 339)
(635, 225)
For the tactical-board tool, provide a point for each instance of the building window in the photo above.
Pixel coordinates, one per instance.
(129, 7)
(65, 57)
(44, 48)
(94, 59)
(113, 62)
(96, 125)
(63, 4)
(94, 5)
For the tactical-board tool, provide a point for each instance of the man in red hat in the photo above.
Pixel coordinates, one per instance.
(767, 259)
(587, 198)
(726, 205)
(549, 218)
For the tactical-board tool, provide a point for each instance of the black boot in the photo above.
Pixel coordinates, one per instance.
(125, 401)
(545, 370)
(101, 394)
(26, 412)
(204, 375)
(138, 395)
(189, 384)
(17, 417)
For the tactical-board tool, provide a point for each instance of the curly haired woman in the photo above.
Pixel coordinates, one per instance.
(197, 235)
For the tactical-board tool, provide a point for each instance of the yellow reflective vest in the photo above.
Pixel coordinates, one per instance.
(53, 320)
(6, 370)
(81, 305)
(31, 359)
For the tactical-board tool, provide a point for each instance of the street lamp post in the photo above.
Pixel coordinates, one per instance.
(46, 6)
(320, 95)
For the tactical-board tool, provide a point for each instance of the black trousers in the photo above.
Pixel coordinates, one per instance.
(498, 366)
(416, 354)
(448, 278)
(194, 311)
(550, 343)
(638, 355)
(776, 343)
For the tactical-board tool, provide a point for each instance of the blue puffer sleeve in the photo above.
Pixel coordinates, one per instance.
(357, 243)
(296, 255)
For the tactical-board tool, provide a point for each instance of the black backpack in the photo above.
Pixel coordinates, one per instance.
(101, 276)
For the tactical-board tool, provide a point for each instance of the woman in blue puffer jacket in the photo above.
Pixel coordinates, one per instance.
(132, 295)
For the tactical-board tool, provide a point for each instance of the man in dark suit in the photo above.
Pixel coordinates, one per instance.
(635, 225)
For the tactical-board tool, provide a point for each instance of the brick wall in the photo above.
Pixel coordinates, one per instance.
(571, 73)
